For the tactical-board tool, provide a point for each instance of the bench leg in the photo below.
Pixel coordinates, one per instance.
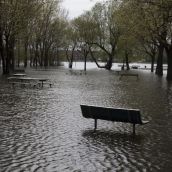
(134, 132)
(95, 124)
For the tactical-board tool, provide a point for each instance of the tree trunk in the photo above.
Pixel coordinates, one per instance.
(126, 60)
(2, 53)
(7, 60)
(152, 62)
(36, 56)
(12, 58)
(46, 58)
(169, 70)
(159, 68)
(85, 63)
(109, 63)
(25, 54)
(57, 58)
(72, 56)
(94, 59)
(85, 59)
(18, 53)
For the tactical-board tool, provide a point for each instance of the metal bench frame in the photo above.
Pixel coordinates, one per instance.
(112, 114)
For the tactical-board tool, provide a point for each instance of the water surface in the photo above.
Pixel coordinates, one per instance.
(43, 129)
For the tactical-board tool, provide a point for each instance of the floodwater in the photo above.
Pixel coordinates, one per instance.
(42, 129)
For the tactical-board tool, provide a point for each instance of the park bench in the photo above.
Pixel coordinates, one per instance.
(132, 116)
(129, 74)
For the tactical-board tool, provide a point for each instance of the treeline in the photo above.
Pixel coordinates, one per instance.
(30, 30)
(127, 29)
(114, 29)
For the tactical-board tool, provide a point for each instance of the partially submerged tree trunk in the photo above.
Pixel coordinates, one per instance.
(151, 50)
(70, 57)
(127, 59)
(25, 54)
(109, 62)
(169, 58)
(94, 59)
(85, 59)
(152, 62)
(2, 52)
(108, 65)
(159, 68)
(84, 52)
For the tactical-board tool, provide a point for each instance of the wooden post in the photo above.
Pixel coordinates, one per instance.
(95, 124)
(134, 129)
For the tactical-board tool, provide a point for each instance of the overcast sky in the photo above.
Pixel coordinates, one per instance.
(77, 7)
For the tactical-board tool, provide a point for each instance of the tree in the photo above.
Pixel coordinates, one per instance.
(152, 21)
(70, 44)
(11, 13)
(98, 31)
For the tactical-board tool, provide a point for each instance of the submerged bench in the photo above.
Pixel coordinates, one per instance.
(129, 74)
(132, 116)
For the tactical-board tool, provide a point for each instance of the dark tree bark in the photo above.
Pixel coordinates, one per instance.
(2, 52)
(159, 68)
(25, 54)
(169, 58)
(11, 53)
(46, 58)
(127, 60)
(109, 62)
(151, 50)
(108, 65)
(85, 52)
(7, 60)
(94, 59)
(70, 57)
(111, 55)
(152, 62)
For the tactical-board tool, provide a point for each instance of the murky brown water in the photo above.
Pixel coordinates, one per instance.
(43, 129)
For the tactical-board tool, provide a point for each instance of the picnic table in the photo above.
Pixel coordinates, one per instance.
(28, 80)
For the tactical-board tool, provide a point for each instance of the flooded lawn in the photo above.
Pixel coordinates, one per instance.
(42, 129)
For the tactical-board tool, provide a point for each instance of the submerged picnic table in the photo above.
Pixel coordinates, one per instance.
(27, 80)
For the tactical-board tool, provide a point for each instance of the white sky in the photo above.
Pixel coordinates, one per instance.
(77, 7)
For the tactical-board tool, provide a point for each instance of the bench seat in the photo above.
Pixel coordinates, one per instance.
(129, 74)
(132, 116)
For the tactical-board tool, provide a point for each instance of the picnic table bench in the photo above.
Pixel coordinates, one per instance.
(132, 116)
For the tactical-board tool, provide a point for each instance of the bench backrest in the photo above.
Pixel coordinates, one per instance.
(112, 114)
